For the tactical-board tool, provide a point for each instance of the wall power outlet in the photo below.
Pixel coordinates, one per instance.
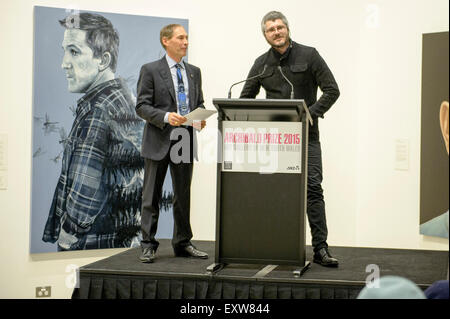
(43, 292)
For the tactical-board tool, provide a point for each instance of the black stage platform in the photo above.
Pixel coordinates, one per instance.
(123, 276)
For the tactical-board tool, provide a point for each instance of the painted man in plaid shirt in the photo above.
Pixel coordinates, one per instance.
(98, 196)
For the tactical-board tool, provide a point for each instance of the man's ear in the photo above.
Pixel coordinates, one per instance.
(105, 61)
(164, 41)
(443, 117)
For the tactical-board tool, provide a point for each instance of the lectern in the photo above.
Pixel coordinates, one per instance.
(261, 182)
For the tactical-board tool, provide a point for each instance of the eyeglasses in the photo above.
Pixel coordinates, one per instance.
(274, 29)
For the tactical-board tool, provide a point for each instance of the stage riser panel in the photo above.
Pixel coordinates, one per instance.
(132, 287)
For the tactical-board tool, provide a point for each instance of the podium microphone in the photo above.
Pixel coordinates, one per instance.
(292, 86)
(250, 78)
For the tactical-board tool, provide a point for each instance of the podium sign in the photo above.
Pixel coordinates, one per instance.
(262, 147)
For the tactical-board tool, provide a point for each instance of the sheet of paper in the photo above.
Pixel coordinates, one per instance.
(198, 114)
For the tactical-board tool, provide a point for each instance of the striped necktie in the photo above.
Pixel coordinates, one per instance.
(182, 104)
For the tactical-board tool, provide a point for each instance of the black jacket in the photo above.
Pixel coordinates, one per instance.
(307, 71)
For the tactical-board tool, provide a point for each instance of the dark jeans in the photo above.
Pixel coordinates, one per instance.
(316, 204)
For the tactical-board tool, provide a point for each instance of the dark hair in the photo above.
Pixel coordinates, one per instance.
(101, 36)
(272, 16)
(167, 32)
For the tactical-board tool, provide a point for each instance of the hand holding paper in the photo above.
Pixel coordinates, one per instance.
(198, 114)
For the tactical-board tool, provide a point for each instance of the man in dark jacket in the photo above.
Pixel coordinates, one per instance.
(307, 72)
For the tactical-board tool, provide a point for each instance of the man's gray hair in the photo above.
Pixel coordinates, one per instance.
(272, 16)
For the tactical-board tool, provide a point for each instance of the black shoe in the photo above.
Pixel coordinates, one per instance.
(324, 258)
(190, 251)
(147, 255)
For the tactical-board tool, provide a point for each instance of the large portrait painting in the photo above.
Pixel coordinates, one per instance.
(87, 171)
(434, 170)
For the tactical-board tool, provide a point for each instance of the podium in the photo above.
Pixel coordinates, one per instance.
(261, 183)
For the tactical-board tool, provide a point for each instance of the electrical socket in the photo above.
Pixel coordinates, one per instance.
(43, 292)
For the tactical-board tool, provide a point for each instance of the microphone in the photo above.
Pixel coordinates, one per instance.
(250, 78)
(292, 86)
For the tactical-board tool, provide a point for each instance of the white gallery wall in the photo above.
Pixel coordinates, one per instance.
(372, 47)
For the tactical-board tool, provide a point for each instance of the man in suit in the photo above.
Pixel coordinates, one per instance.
(167, 90)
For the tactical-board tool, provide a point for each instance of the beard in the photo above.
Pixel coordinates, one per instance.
(281, 44)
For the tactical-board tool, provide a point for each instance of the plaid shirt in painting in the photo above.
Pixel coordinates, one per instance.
(97, 199)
